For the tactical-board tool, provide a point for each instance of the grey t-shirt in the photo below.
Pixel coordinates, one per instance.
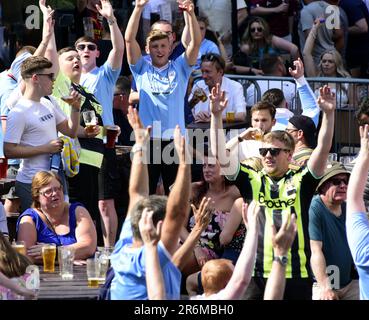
(324, 39)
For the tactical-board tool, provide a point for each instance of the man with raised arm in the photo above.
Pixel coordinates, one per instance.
(161, 85)
(279, 191)
(101, 82)
(357, 225)
(128, 259)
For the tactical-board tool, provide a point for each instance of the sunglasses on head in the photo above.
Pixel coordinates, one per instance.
(90, 47)
(273, 151)
(337, 181)
(258, 29)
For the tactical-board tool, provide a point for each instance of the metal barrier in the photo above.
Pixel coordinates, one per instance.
(349, 92)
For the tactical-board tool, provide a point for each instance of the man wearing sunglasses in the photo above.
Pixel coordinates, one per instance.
(328, 241)
(33, 123)
(101, 82)
(279, 191)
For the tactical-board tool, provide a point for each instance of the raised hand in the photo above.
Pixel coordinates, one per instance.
(299, 69)
(186, 5)
(180, 145)
(149, 234)
(327, 99)
(282, 241)
(203, 213)
(364, 139)
(141, 3)
(142, 136)
(46, 10)
(218, 101)
(106, 9)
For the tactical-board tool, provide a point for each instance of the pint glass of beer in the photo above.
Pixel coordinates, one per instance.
(230, 116)
(48, 257)
(90, 119)
(20, 247)
(111, 135)
(93, 272)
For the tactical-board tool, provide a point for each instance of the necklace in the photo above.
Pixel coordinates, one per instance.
(50, 224)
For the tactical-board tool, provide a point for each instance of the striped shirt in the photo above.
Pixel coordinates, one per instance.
(277, 198)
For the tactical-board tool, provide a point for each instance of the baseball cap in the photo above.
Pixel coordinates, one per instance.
(307, 126)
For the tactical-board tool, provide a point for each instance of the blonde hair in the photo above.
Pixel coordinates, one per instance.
(340, 68)
(12, 263)
(156, 35)
(282, 136)
(215, 275)
(40, 180)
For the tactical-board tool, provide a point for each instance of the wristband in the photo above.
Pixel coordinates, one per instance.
(111, 21)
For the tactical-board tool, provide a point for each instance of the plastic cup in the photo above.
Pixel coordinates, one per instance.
(48, 257)
(111, 135)
(66, 258)
(92, 273)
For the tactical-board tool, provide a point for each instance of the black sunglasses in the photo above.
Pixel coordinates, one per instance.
(273, 151)
(258, 29)
(90, 47)
(209, 57)
(337, 181)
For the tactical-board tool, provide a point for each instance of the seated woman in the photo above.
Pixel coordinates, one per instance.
(223, 196)
(256, 42)
(51, 220)
(330, 65)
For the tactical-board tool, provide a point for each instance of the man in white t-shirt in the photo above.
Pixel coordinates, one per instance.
(33, 123)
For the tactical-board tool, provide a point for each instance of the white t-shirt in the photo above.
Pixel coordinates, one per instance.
(33, 123)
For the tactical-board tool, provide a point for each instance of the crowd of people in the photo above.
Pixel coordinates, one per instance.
(258, 213)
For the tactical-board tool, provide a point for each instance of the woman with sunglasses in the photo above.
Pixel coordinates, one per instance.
(52, 220)
(257, 41)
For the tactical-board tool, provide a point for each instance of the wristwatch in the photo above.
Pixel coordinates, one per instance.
(283, 260)
(136, 148)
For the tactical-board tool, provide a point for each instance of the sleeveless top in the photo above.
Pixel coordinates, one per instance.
(45, 234)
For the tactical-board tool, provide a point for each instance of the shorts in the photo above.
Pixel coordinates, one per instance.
(109, 178)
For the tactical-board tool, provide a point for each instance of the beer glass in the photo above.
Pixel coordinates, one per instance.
(230, 116)
(90, 119)
(48, 257)
(111, 135)
(66, 258)
(20, 247)
(92, 273)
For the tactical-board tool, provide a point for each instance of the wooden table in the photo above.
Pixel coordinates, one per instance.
(53, 287)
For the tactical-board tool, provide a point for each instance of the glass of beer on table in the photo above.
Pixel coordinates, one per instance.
(48, 257)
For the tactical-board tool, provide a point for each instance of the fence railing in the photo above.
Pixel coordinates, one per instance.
(349, 92)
